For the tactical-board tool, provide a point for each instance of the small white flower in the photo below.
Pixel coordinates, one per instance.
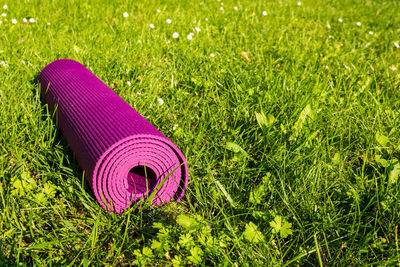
(396, 44)
(235, 8)
(189, 37)
(49, 23)
(326, 67)
(175, 127)
(212, 55)
(358, 24)
(126, 14)
(139, 41)
(14, 21)
(158, 11)
(328, 25)
(264, 13)
(168, 41)
(160, 101)
(330, 36)
(151, 26)
(175, 35)
(371, 32)
(4, 64)
(5, 7)
(32, 20)
(24, 20)
(221, 8)
(299, 3)
(340, 20)
(3, 14)
(393, 68)
(1, 22)
(128, 83)
(197, 29)
(206, 19)
(168, 21)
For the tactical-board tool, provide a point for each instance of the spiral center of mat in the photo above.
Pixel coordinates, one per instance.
(141, 180)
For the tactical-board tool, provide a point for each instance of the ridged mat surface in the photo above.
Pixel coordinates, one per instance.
(123, 156)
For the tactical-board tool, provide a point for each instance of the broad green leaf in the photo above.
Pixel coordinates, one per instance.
(252, 234)
(139, 257)
(186, 240)
(281, 226)
(160, 247)
(240, 153)
(265, 121)
(47, 192)
(155, 244)
(286, 229)
(381, 139)
(164, 234)
(147, 252)
(44, 246)
(234, 147)
(185, 221)
(196, 255)
(255, 197)
(276, 224)
(177, 261)
(257, 194)
(383, 162)
(394, 174)
(22, 185)
(189, 222)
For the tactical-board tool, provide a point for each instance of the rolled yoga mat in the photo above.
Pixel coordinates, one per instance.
(123, 156)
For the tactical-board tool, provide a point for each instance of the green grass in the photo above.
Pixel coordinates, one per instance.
(293, 156)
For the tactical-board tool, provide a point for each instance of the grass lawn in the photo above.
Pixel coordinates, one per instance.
(289, 119)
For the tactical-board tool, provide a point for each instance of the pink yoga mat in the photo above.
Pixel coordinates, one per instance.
(124, 157)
